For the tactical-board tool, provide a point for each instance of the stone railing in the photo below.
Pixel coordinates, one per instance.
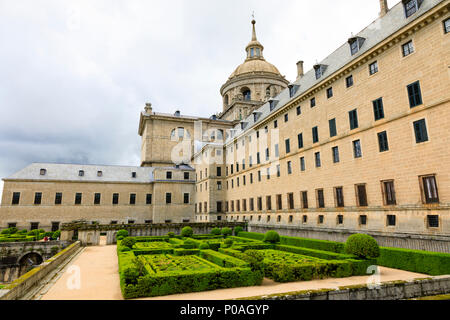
(22, 285)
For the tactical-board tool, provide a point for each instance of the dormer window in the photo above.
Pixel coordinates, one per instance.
(256, 116)
(411, 6)
(320, 70)
(273, 104)
(43, 172)
(293, 90)
(355, 44)
(99, 173)
(243, 125)
(81, 173)
(133, 174)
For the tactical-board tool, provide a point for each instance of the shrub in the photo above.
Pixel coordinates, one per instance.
(56, 234)
(171, 234)
(48, 234)
(237, 230)
(272, 237)
(226, 232)
(216, 231)
(228, 242)
(124, 249)
(122, 233)
(187, 232)
(128, 242)
(190, 243)
(131, 275)
(204, 246)
(24, 231)
(5, 231)
(120, 238)
(13, 230)
(54, 250)
(362, 245)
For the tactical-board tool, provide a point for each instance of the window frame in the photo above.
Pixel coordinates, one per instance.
(373, 68)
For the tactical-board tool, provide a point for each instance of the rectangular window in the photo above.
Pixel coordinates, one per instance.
(251, 178)
(78, 197)
(58, 198)
(414, 94)
(349, 81)
(315, 134)
(168, 198)
(339, 193)
(411, 6)
(320, 198)
(258, 159)
(447, 26)
(305, 199)
(186, 198)
(259, 175)
(55, 226)
(420, 130)
(275, 124)
(268, 174)
(329, 93)
(373, 68)
(391, 220)
(291, 219)
(97, 198)
(279, 202)
(290, 198)
(115, 199)
(407, 48)
(361, 195)
(38, 198)
(383, 141)
(333, 131)
(378, 109)
(148, 199)
(313, 102)
(286, 117)
(186, 176)
(389, 193)
(317, 158)
(353, 118)
(340, 219)
(278, 171)
(133, 175)
(363, 220)
(168, 175)
(302, 164)
(300, 140)
(81, 173)
(244, 205)
(219, 206)
(289, 167)
(15, 198)
(259, 204)
(335, 151)
(357, 152)
(288, 145)
(250, 161)
(132, 198)
(433, 221)
(252, 204)
(34, 225)
(299, 110)
(268, 203)
(430, 190)
(305, 219)
(267, 154)
(146, 222)
(277, 151)
(320, 219)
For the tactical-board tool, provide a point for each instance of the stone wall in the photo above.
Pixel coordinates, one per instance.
(395, 240)
(395, 290)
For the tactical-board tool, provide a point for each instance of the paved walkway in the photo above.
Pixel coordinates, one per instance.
(100, 281)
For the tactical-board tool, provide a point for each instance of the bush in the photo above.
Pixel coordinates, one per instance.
(54, 250)
(56, 235)
(5, 231)
(272, 237)
(216, 231)
(131, 275)
(128, 242)
(171, 234)
(120, 238)
(48, 234)
(189, 244)
(24, 231)
(237, 230)
(204, 246)
(122, 233)
(187, 232)
(226, 232)
(363, 246)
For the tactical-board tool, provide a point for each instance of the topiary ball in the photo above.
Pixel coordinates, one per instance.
(187, 232)
(204, 246)
(363, 246)
(171, 234)
(128, 242)
(123, 233)
(271, 237)
(226, 231)
(215, 231)
(237, 230)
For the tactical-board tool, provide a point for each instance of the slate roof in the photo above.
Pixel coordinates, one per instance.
(376, 32)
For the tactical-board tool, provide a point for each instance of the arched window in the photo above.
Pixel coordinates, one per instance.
(268, 91)
(225, 100)
(179, 134)
(247, 94)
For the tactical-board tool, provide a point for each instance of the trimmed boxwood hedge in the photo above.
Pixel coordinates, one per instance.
(431, 263)
(315, 253)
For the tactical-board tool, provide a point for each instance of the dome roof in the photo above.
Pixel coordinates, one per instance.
(255, 65)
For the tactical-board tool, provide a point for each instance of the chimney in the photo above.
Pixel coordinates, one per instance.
(383, 7)
(300, 69)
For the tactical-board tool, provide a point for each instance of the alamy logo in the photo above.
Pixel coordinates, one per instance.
(74, 280)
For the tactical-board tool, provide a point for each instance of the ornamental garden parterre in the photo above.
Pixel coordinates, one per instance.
(158, 266)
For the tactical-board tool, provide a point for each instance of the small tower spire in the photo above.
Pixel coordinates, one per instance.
(254, 48)
(254, 29)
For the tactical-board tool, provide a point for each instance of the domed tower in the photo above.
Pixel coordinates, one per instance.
(251, 84)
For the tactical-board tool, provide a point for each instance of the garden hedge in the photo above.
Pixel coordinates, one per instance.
(431, 263)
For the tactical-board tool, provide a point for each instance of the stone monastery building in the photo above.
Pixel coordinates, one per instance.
(360, 143)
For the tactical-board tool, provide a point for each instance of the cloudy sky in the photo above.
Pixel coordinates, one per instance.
(75, 74)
